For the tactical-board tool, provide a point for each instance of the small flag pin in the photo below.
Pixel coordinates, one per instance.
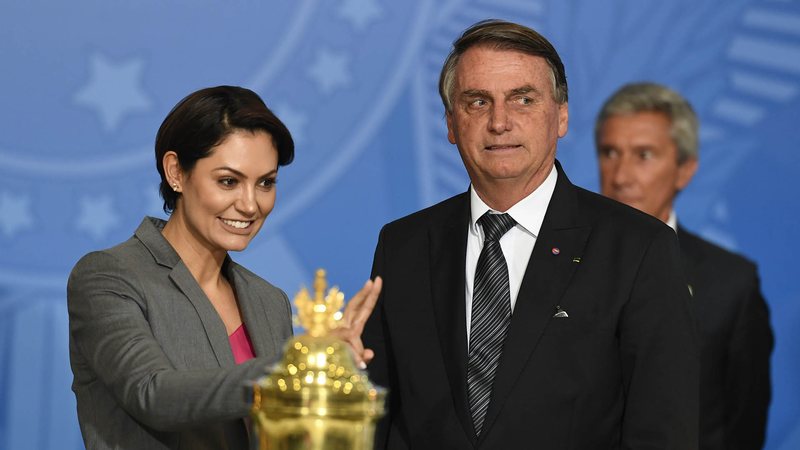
(556, 250)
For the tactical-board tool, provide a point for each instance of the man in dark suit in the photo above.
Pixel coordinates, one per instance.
(647, 145)
(528, 312)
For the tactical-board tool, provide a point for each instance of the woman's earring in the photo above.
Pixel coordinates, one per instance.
(175, 187)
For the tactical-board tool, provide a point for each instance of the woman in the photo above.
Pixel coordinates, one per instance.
(165, 329)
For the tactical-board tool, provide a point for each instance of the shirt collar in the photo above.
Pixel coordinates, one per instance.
(528, 212)
(672, 220)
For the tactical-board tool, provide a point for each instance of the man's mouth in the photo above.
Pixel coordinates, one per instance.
(501, 147)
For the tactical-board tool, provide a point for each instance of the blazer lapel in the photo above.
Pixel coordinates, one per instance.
(262, 335)
(149, 233)
(554, 259)
(448, 245)
(215, 329)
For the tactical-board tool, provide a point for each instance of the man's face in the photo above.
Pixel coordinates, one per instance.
(505, 121)
(639, 162)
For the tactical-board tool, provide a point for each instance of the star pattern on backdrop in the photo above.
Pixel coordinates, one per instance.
(294, 120)
(360, 13)
(114, 90)
(329, 70)
(97, 216)
(15, 213)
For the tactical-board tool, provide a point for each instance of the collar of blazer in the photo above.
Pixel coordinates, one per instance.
(248, 293)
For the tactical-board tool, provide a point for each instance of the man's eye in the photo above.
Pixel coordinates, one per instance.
(609, 153)
(646, 154)
(524, 100)
(478, 102)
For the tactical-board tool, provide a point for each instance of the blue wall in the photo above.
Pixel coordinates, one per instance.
(85, 85)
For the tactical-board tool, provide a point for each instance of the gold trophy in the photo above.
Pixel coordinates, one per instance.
(316, 398)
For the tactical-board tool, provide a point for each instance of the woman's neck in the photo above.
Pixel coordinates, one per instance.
(203, 263)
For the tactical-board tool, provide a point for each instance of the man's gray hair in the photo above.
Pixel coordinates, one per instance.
(651, 97)
(501, 35)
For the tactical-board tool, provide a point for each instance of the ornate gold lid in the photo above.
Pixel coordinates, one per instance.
(318, 375)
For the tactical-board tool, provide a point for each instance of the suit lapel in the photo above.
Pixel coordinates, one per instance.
(262, 335)
(448, 245)
(149, 233)
(214, 328)
(561, 240)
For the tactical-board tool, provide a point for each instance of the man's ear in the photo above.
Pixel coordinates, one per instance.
(451, 135)
(686, 171)
(563, 119)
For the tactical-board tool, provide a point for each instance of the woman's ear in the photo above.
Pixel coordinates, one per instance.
(172, 170)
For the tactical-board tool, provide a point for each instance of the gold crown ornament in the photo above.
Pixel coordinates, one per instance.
(316, 398)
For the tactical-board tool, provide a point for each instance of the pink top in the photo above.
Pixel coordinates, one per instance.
(240, 345)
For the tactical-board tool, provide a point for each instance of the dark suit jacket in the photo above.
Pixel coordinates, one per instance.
(619, 372)
(152, 364)
(735, 345)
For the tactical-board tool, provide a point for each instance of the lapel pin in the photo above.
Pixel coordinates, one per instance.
(691, 290)
(555, 250)
(560, 312)
(576, 259)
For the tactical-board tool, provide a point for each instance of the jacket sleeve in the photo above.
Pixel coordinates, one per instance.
(110, 333)
(377, 338)
(747, 383)
(659, 354)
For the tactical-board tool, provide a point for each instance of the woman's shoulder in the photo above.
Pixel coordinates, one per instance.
(126, 260)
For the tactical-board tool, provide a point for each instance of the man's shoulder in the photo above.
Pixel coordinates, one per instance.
(605, 213)
(443, 212)
(704, 251)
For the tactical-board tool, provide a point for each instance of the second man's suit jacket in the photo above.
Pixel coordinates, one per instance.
(152, 363)
(619, 372)
(735, 345)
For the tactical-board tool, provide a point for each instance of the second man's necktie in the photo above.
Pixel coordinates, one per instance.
(491, 315)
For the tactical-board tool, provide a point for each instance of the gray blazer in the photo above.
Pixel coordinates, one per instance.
(152, 365)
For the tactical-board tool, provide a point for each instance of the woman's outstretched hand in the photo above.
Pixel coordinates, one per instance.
(356, 313)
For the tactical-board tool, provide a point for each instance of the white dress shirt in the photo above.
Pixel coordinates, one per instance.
(517, 243)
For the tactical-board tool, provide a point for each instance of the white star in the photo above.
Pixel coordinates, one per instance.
(360, 12)
(15, 213)
(294, 120)
(97, 216)
(330, 71)
(114, 90)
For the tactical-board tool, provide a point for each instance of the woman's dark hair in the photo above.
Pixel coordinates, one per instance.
(204, 119)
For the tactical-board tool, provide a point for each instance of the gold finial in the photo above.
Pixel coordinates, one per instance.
(320, 314)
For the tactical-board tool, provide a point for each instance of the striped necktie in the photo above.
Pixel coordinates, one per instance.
(491, 315)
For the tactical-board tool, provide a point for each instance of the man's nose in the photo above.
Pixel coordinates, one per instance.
(623, 171)
(499, 122)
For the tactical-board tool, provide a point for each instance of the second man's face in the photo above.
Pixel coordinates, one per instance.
(505, 120)
(639, 162)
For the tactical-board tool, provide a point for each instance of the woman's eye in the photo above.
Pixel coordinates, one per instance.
(227, 182)
(267, 183)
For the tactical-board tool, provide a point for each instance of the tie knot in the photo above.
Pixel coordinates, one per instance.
(495, 225)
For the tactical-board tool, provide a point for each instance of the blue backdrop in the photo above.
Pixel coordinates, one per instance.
(85, 85)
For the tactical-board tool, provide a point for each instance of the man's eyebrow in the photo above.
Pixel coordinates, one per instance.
(475, 93)
(524, 90)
